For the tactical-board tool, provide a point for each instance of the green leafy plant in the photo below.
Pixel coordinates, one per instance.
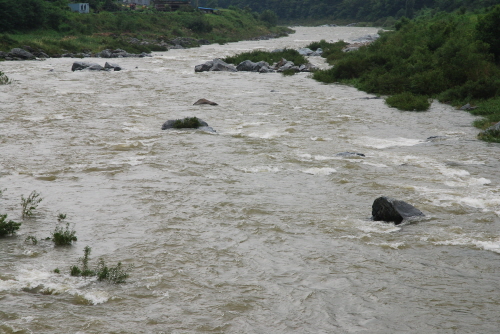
(408, 101)
(269, 57)
(30, 203)
(63, 237)
(187, 123)
(116, 274)
(32, 239)
(8, 227)
(4, 80)
(289, 72)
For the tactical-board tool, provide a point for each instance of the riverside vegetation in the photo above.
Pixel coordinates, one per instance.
(451, 57)
(50, 26)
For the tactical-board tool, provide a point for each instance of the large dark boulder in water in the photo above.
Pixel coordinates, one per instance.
(188, 123)
(392, 210)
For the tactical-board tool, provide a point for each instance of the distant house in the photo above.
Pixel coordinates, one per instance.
(165, 5)
(138, 2)
(79, 7)
(207, 10)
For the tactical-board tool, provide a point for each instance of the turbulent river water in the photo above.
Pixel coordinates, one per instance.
(258, 228)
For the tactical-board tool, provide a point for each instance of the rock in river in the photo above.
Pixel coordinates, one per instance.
(393, 210)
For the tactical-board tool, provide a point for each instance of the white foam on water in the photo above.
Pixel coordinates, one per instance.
(380, 143)
(262, 169)
(322, 158)
(377, 227)
(305, 156)
(93, 296)
(374, 164)
(493, 246)
(320, 139)
(320, 171)
(267, 135)
(393, 245)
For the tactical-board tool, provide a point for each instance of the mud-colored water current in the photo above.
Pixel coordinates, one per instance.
(258, 228)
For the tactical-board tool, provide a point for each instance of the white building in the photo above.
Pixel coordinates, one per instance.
(79, 7)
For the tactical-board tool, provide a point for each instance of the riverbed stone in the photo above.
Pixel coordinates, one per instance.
(203, 127)
(222, 66)
(112, 67)
(392, 210)
(246, 65)
(205, 101)
(21, 54)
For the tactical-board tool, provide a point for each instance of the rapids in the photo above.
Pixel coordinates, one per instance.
(258, 228)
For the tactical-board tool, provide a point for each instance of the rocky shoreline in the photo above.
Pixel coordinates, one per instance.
(29, 53)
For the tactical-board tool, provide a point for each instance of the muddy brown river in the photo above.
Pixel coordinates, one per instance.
(260, 227)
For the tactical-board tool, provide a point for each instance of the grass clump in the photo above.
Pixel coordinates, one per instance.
(63, 237)
(269, 57)
(116, 274)
(30, 203)
(32, 239)
(331, 51)
(187, 123)
(289, 72)
(8, 227)
(4, 80)
(409, 102)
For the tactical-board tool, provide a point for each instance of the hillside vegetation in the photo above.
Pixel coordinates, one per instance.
(52, 27)
(378, 11)
(454, 58)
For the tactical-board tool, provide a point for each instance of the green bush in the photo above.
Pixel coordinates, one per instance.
(187, 123)
(4, 80)
(63, 237)
(115, 274)
(8, 227)
(289, 72)
(408, 101)
(269, 57)
(30, 203)
(488, 30)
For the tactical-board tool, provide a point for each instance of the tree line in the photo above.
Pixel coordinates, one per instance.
(362, 10)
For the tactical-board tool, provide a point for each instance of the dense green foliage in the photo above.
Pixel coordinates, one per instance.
(57, 30)
(446, 56)
(8, 227)
(408, 101)
(269, 57)
(115, 274)
(361, 10)
(30, 203)
(63, 237)
(187, 123)
(4, 80)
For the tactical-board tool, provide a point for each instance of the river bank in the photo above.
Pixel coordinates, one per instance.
(136, 33)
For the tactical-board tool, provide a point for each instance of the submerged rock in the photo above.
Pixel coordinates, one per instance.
(205, 101)
(392, 210)
(215, 65)
(349, 154)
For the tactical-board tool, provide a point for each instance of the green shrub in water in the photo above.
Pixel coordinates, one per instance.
(187, 123)
(63, 237)
(8, 227)
(289, 72)
(4, 80)
(116, 274)
(269, 57)
(30, 203)
(408, 101)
